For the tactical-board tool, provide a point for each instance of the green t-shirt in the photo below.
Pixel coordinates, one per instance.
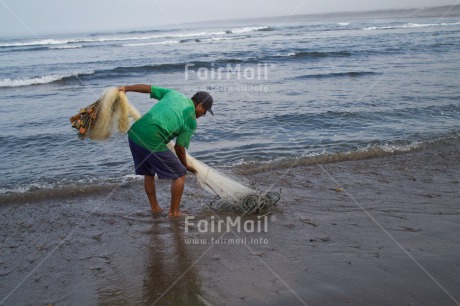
(172, 116)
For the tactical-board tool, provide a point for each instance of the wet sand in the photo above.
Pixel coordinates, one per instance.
(382, 231)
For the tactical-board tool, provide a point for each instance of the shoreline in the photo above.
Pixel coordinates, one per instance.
(377, 231)
(83, 190)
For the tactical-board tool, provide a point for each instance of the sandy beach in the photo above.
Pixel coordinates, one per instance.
(381, 231)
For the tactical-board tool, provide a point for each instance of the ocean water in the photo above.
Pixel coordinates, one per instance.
(281, 90)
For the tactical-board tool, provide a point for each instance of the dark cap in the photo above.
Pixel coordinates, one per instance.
(204, 98)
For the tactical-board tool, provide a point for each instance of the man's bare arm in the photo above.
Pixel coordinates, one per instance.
(180, 152)
(142, 88)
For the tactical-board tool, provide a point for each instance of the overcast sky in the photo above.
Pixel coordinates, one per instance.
(38, 17)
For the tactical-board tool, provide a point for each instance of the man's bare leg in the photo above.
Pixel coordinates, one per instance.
(149, 185)
(177, 188)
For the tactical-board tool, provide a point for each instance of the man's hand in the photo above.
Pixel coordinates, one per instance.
(191, 169)
(121, 88)
(180, 152)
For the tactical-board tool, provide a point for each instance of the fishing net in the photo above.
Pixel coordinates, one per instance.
(230, 193)
(85, 118)
(257, 202)
(111, 113)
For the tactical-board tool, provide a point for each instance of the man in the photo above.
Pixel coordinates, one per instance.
(174, 116)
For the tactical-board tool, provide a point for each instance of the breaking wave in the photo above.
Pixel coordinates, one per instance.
(46, 79)
(170, 67)
(410, 25)
(125, 37)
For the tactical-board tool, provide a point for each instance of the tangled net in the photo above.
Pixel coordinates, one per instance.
(108, 114)
(85, 118)
(254, 203)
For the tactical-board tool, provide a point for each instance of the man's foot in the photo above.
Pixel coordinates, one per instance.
(177, 215)
(157, 210)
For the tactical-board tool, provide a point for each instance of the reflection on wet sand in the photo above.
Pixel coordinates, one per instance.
(168, 282)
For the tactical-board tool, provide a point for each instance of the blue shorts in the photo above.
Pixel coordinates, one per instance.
(165, 164)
